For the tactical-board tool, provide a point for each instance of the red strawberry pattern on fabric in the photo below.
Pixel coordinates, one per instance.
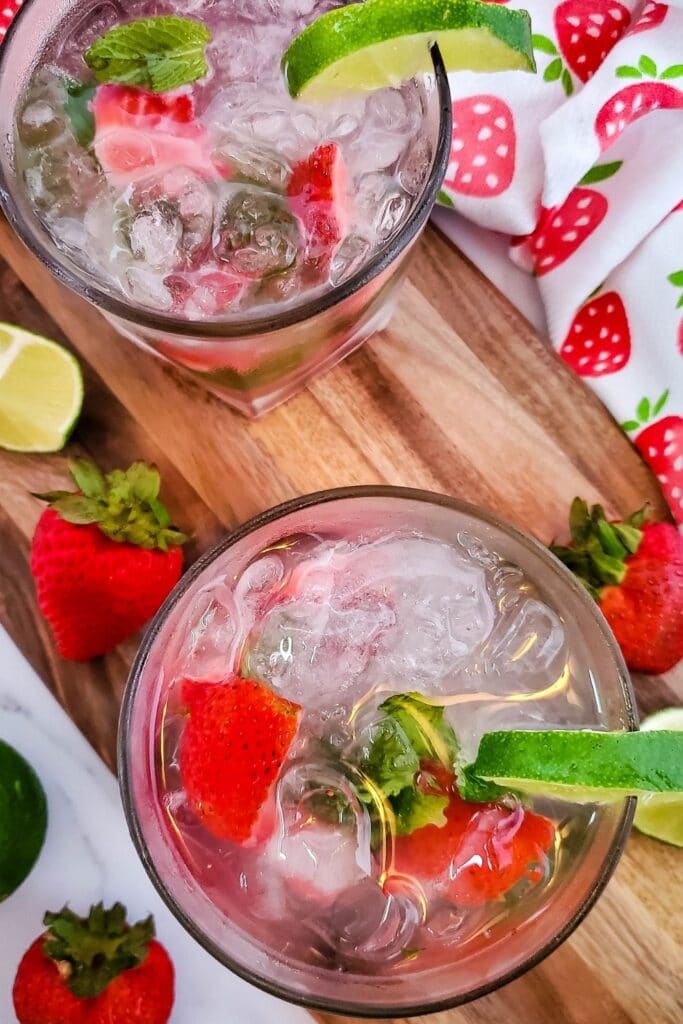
(659, 439)
(7, 15)
(599, 339)
(563, 229)
(652, 16)
(483, 151)
(652, 92)
(586, 31)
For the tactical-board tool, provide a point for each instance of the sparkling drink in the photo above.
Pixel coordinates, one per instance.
(354, 880)
(209, 218)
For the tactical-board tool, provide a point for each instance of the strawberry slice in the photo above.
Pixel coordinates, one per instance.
(236, 739)
(481, 852)
(137, 132)
(586, 32)
(317, 194)
(207, 292)
(599, 339)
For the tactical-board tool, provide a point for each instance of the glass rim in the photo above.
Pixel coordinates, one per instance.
(265, 518)
(268, 323)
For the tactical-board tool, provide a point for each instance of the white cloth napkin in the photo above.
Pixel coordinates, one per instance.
(583, 166)
(88, 856)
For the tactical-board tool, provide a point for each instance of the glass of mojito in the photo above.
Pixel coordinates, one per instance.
(253, 238)
(290, 740)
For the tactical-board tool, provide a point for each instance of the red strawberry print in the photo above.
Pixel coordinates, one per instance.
(599, 339)
(482, 161)
(7, 15)
(586, 32)
(236, 738)
(562, 229)
(652, 16)
(653, 92)
(660, 442)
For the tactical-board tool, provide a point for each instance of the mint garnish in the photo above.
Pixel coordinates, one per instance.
(159, 54)
(77, 107)
(409, 743)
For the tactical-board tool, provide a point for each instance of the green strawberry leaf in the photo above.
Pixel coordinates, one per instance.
(647, 66)
(87, 478)
(660, 403)
(628, 71)
(553, 71)
(77, 107)
(144, 481)
(600, 173)
(159, 53)
(544, 44)
(676, 278)
(579, 521)
(445, 199)
(567, 83)
(628, 425)
(679, 304)
(643, 410)
(675, 71)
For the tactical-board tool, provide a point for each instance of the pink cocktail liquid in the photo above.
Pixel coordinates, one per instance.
(181, 203)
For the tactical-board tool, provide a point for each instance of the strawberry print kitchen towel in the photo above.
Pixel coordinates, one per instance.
(582, 166)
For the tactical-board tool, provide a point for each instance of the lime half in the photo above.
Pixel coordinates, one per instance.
(583, 767)
(662, 819)
(379, 43)
(41, 392)
(23, 819)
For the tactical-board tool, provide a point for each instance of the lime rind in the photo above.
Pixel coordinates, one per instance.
(23, 819)
(657, 816)
(41, 391)
(583, 766)
(362, 47)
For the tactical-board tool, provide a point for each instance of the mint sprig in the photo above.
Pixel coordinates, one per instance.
(160, 53)
(405, 745)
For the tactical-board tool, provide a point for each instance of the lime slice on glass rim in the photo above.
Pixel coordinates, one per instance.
(661, 819)
(41, 392)
(581, 766)
(23, 819)
(379, 43)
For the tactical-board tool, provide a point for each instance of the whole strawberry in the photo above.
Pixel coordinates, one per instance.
(236, 738)
(634, 570)
(103, 558)
(94, 970)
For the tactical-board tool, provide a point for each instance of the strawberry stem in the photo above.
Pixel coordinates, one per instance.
(93, 950)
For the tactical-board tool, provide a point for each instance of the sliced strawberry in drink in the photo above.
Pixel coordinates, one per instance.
(210, 291)
(317, 193)
(236, 739)
(481, 852)
(138, 132)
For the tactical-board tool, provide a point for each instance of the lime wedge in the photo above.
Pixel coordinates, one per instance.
(41, 392)
(23, 819)
(583, 767)
(378, 43)
(661, 819)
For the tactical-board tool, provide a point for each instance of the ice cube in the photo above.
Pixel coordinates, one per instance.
(154, 235)
(414, 165)
(147, 288)
(40, 122)
(391, 212)
(251, 161)
(256, 235)
(94, 20)
(348, 258)
(205, 649)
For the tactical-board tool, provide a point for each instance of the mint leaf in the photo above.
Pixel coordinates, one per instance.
(414, 810)
(392, 763)
(77, 107)
(422, 721)
(476, 790)
(160, 53)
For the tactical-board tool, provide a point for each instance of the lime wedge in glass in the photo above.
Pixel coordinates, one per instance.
(23, 819)
(41, 392)
(661, 820)
(583, 767)
(379, 43)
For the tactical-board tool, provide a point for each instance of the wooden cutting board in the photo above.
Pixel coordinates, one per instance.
(459, 395)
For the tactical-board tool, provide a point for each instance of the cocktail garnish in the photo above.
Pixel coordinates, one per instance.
(160, 53)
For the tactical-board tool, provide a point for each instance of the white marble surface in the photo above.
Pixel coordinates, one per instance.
(88, 856)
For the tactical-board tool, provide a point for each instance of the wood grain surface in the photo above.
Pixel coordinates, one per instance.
(459, 395)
